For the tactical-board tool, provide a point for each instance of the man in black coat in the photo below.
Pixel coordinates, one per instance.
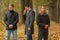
(43, 23)
(11, 20)
(29, 22)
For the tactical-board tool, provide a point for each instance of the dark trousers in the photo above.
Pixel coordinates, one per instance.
(43, 34)
(29, 36)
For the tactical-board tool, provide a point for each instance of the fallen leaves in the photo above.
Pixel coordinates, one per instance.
(54, 32)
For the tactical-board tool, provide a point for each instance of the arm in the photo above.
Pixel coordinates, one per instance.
(48, 21)
(24, 15)
(17, 19)
(37, 19)
(5, 19)
(32, 19)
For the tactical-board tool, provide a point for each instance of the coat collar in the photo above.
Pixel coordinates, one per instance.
(29, 10)
(43, 13)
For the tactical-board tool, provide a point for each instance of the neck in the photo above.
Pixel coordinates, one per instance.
(11, 10)
(42, 13)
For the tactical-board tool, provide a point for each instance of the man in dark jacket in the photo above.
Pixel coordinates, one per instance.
(29, 22)
(43, 23)
(11, 20)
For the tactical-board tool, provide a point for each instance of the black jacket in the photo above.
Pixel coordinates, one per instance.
(42, 20)
(11, 17)
(24, 17)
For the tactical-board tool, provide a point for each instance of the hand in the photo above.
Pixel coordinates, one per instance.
(46, 26)
(25, 11)
(10, 26)
(28, 28)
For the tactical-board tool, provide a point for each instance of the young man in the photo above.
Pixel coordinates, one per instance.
(43, 23)
(11, 20)
(29, 22)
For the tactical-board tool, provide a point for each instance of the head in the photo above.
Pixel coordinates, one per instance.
(11, 7)
(43, 9)
(27, 7)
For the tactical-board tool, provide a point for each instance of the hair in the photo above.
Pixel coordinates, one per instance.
(27, 5)
(11, 5)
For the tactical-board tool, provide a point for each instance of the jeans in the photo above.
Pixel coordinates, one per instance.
(43, 34)
(8, 32)
(29, 36)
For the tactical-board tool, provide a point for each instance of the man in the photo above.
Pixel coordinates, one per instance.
(43, 23)
(29, 22)
(11, 20)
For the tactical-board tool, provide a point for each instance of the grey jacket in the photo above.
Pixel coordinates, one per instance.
(29, 22)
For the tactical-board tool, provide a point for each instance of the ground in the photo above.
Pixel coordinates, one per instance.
(54, 32)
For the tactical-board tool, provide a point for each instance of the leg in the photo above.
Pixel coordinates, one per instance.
(8, 34)
(45, 34)
(40, 34)
(14, 32)
(29, 36)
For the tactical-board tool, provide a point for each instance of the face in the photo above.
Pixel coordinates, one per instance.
(11, 8)
(27, 8)
(43, 9)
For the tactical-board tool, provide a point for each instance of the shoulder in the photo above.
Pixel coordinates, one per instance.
(7, 12)
(38, 14)
(16, 13)
(45, 14)
(33, 12)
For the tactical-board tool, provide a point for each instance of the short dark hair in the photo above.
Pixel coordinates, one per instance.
(27, 5)
(11, 5)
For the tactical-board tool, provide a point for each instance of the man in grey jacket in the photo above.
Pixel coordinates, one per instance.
(29, 22)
